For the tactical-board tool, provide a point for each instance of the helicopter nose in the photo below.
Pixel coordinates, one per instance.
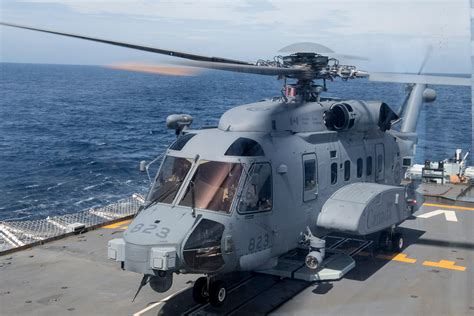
(152, 241)
(159, 225)
(162, 239)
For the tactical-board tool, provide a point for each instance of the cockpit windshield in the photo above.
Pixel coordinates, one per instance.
(169, 179)
(215, 185)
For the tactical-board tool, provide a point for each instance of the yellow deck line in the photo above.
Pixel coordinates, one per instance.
(462, 208)
(118, 224)
(400, 257)
(445, 264)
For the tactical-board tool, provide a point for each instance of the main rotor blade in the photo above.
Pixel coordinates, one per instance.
(348, 57)
(424, 79)
(134, 46)
(251, 69)
(427, 56)
(191, 68)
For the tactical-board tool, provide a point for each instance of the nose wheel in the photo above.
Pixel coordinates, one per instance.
(207, 289)
(217, 293)
(200, 292)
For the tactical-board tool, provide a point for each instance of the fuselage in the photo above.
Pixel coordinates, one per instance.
(244, 192)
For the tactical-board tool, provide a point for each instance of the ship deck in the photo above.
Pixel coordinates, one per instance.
(433, 275)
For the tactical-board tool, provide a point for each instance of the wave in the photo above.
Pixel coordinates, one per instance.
(55, 186)
(84, 201)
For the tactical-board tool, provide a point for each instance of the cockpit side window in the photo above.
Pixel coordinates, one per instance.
(257, 193)
(169, 179)
(181, 141)
(245, 147)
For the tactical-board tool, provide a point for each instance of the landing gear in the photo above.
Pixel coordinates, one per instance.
(205, 288)
(398, 242)
(200, 293)
(217, 293)
(384, 240)
(391, 240)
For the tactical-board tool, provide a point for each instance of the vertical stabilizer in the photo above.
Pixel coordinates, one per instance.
(412, 108)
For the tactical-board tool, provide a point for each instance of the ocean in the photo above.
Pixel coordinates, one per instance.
(72, 137)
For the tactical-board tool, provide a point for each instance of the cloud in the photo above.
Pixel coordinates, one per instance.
(401, 17)
(245, 29)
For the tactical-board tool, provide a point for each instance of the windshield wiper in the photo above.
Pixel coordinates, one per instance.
(193, 198)
(165, 194)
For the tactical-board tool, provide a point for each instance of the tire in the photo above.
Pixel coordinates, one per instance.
(398, 242)
(200, 293)
(384, 240)
(217, 293)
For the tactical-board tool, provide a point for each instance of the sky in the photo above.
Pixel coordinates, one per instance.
(393, 34)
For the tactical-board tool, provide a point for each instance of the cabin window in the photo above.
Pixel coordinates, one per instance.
(334, 173)
(360, 166)
(379, 163)
(369, 166)
(257, 192)
(347, 170)
(309, 175)
(245, 147)
(406, 162)
(181, 141)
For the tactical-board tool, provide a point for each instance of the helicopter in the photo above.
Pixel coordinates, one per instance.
(274, 175)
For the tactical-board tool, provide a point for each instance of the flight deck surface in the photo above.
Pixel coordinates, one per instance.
(433, 275)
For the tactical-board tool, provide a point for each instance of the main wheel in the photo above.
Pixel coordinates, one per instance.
(398, 242)
(384, 240)
(217, 293)
(200, 292)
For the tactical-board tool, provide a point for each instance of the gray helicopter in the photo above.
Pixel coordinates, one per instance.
(275, 175)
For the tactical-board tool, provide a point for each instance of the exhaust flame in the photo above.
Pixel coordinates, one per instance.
(155, 69)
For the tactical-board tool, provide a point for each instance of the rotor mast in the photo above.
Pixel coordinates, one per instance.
(314, 66)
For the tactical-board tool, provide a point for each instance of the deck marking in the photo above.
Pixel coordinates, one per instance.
(118, 224)
(400, 257)
(149, 307)
(449, 215)
(445, 264)
(462, 208)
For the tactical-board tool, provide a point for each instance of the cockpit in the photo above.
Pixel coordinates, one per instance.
(232, 178)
